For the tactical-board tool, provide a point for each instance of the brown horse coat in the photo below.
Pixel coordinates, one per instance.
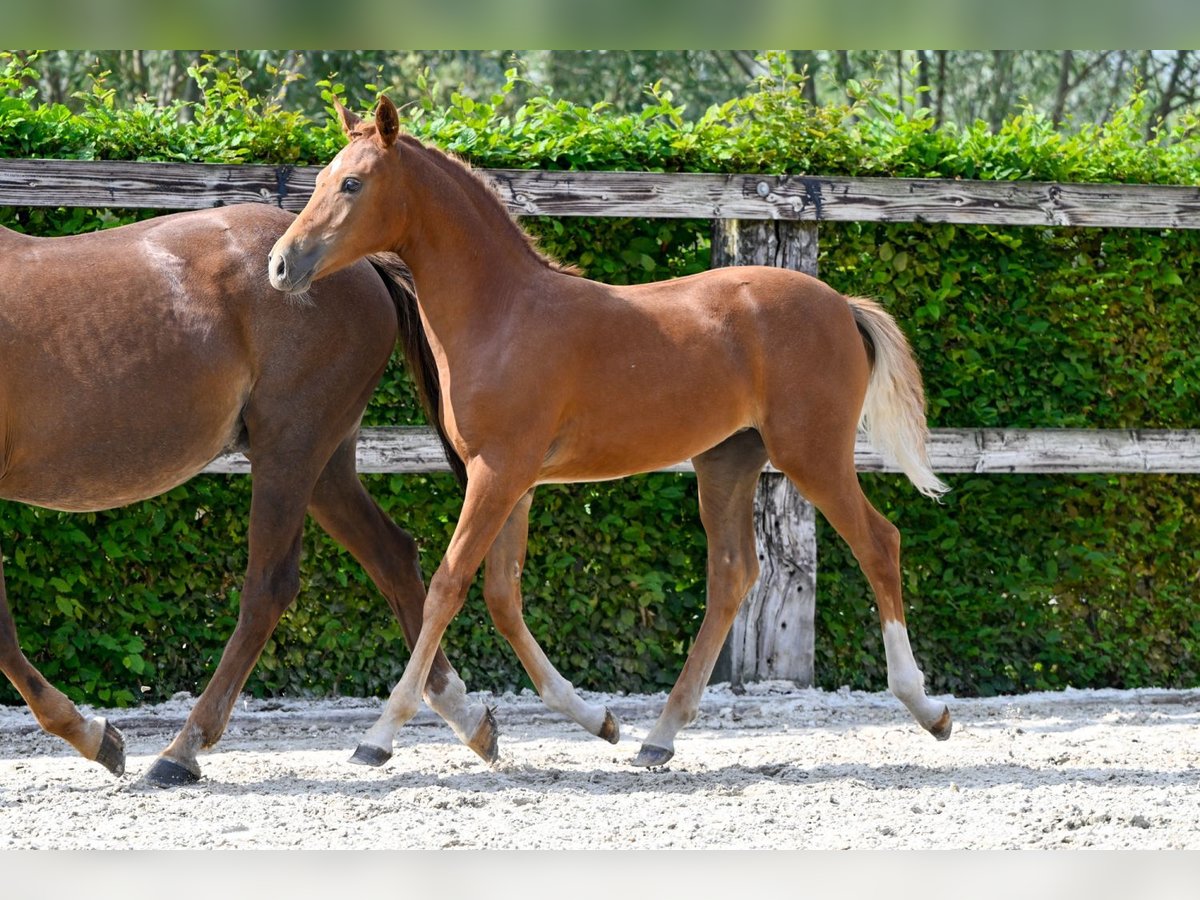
(549, 377)
(131, 357)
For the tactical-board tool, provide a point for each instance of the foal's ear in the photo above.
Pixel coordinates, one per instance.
(387, 121)
(348, 119)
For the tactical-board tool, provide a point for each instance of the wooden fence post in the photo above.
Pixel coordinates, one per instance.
(772, 636)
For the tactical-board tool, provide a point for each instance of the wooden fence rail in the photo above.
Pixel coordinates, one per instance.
(534, 192)
(764, 219)
(415, 449)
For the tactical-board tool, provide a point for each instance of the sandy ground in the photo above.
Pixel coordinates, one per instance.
(775, 767)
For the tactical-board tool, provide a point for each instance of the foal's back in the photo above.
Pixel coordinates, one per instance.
(649, 375)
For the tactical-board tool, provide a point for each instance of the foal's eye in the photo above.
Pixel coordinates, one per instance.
(351, 185)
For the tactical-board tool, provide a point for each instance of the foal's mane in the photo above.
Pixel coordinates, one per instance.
(486, 195)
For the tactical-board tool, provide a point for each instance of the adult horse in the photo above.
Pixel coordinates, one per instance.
(131, 357)
(549, 377)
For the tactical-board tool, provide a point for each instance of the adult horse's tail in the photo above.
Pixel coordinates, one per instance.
(893, 414)
(417, 352)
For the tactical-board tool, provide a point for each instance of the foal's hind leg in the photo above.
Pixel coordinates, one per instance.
(875, 543)
(94, 738)
(342, 506)
(726, 477)
(502, 591)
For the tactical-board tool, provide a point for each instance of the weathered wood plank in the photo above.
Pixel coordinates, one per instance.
(952, 450)
(845, 199)
(772, 637)
(37, 182)
(148, 185)
(1057, 450)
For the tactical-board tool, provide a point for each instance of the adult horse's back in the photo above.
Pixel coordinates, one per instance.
(131, 357)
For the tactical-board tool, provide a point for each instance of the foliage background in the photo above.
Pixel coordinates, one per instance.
(1014, 583)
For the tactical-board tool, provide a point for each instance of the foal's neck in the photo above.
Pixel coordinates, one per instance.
(461, 239)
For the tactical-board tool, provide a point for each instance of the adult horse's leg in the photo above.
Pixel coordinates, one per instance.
(277, 509)
(342, 506)
(726, 477)
(502, 591)
(94, 738)
(493, 490)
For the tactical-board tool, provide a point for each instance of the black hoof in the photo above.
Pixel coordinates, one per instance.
(166, 773)
(942, 727)
(611, 729)
(369, 755)
(486, 740)
(112, 750)
(651, 756)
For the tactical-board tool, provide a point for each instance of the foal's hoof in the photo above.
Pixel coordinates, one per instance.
(651, 756)
(111, 754)
(611, 729)
(485, 740)
(941, 728)
(166, 773)
(370, 755)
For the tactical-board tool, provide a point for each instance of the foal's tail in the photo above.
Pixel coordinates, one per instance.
(893, 414)
(417, 352)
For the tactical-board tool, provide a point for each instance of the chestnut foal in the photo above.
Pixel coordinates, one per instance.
(549, 377)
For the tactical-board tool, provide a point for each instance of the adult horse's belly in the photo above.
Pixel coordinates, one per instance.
(100, 450)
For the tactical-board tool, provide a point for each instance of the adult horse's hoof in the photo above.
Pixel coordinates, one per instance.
(166, 773)
(611, 729)
(942, 727)
(485, 741)
(111, 754)
(370, 755)
(651, 756)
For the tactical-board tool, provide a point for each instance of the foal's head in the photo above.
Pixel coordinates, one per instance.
(355, 209)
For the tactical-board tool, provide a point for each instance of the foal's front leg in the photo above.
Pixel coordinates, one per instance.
(342, 506)
(491, 495)
(502, 591)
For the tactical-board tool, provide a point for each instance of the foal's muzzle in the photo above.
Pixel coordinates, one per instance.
(290, 271)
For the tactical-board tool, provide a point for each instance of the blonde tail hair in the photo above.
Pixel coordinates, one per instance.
(893, 414)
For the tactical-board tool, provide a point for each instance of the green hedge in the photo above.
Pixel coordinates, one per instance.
(1014, 583)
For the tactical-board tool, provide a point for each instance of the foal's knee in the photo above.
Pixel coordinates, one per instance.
(447, 593)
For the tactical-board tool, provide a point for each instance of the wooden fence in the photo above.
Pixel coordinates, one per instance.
(764, 219)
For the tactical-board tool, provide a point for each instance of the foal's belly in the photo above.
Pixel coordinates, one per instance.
(633, 445)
